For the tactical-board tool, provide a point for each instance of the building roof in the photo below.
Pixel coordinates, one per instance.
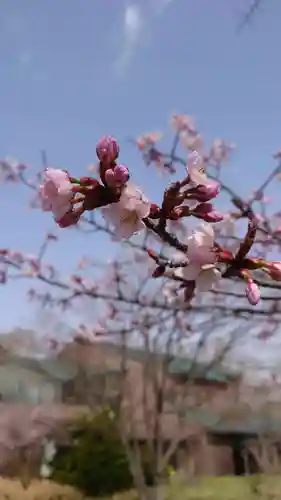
(195, 370)
(50, 367)
(252, 423)
(105, 357)
(177, 365)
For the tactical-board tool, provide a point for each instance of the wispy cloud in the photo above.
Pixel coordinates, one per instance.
(138, 19)
(133, 23)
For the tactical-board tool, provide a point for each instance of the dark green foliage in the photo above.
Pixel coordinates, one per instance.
(96, 463)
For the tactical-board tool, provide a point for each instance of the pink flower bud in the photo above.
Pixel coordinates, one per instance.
(107, 149)
(203, 209)
(206, 212)
(252, 292)
(69, 219)
(155, 211)
(205, 192)
(274, 270)
(213, 216)
(117, 176)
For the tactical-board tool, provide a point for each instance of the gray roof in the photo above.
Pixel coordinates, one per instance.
(253, 423)
(196, 370)
(62, 369)
(52, 368)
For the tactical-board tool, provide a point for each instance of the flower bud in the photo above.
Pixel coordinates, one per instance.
(107, 149)
(155, 211)
(117, 176)
(203, 209)
(274, 270)
(252, 292)
(206, 212)
(69, 219)
(213, 216)
(205, 192)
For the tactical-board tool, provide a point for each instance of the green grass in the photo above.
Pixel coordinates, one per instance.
(227, 488)
(220, 488)
(224, 488)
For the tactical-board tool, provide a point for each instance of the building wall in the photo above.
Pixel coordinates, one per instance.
(201, 456)
(18, 384)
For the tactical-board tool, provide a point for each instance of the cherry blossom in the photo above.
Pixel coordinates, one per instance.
(107, 149)
(193, 142)
(118, 176)
(253, 292)
(183, 123)
(56, 192)
(201, 246)
(196, 170)
(202, 258)
(148, 140)
(205, 276)
(126, 215)
(220, 151)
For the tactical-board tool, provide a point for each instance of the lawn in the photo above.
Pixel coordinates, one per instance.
(225, 488)
(228, 488)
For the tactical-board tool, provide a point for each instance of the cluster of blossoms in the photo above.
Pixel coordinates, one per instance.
(203, 261)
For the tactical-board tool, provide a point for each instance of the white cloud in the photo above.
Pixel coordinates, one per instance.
(137, 19)
(132, 32)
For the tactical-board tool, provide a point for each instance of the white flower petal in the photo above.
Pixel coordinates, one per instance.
(196, 176)
(208, 232)
(189, 272)
(207, 279)
(144, 209)
(192, 142)
(126, 215)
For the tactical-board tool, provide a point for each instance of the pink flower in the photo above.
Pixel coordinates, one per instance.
(205, 277)
(196, 169)
(220, 151)
(183, 123)
(126, 215)
(148, 140)
(252, 292)
(194, 142)
(201, 257)
(107, 149)
(201, 246)
(117, 176)
(56, 192)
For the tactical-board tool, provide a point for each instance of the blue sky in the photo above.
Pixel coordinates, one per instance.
(73, 70)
